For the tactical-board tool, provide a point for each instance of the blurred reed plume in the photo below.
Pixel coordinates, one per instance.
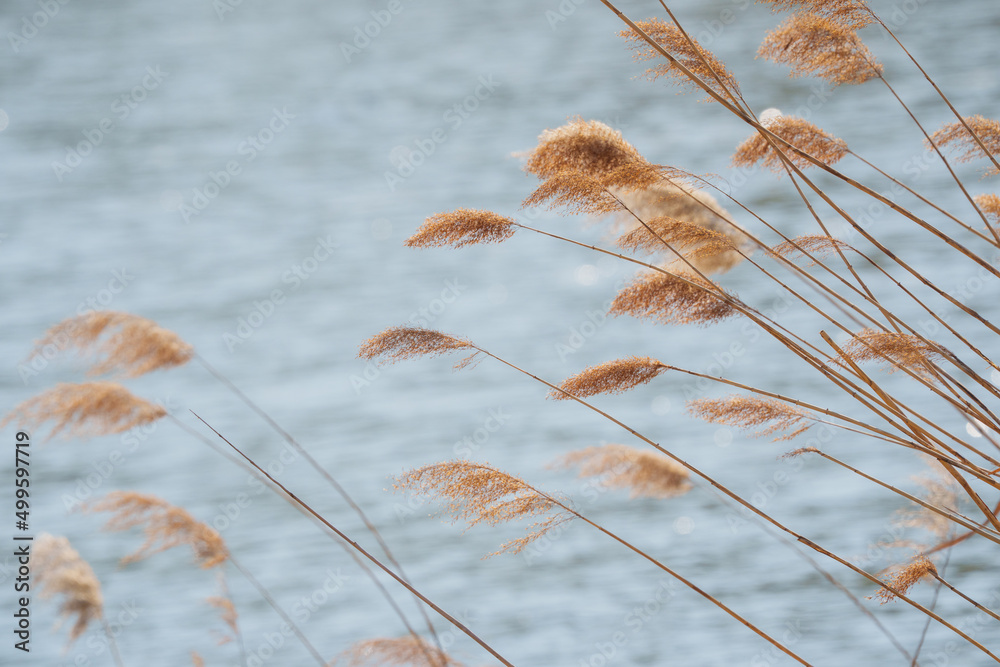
(58, 570)
(751, 412)
(641, 471)
(86, 410)
(164, 525)
(402, 651)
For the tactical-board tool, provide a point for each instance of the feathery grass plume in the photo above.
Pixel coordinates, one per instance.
(990, 206)
(227, 612)
(695, 240)
(479, 493)
(814, 244)
(748, 412)
(587, 147)
(402, 651)
(86, 410)
(197, 660)
(164, 525)
(818, 46)
(577, 192)
(900, 350)
(400, 343)
(699, 60)
(462, 227)
(853, 14)
(905, 577)
(643, 472)
(611, 377)
(800, 133)
(58, 570)
(941, 490)
(955, 134)
(673, 299)
(135, 346)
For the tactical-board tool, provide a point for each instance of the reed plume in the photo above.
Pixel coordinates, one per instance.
(695, 240)
(228, 614)
(611, 377)
(134, 345)
(673, 299)
(686, 50)
(402, 651)
(956, 136)
(479, 493)
(643, 472)
(904, 577)
(814, 45)
(990, 206)
(589, 147)
(164, 525)
(814, 244)
(462, 227)
(853, 14)
(401, 343)
(57, 569)
(748, 412)
(799, 133)
(86, 410)
(197, 660)
(577, 192)
(900, 350)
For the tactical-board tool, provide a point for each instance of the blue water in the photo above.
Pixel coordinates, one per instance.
(243, 165)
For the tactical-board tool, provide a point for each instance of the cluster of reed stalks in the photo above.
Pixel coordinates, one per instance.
(903, 390)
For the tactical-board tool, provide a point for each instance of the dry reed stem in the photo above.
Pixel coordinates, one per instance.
(479, 493)
(817, 46)
(611, 377)
(462, 227)
(586, 147)
(134, 345)
(852, 14)
(802, 134)
(401, 343)
(902, 351)
(164, 525)
(641, 471)
(905, 577)
(674, 299)
(687, 51)
(990, 206)
(57, 569)
(86, 410)
(748, 412)
(958, 137)
(408, 650)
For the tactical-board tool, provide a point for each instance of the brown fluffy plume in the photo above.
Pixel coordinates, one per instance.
(57, 569)
(748, 412)
(401, 343)
(462, 227)
(813, 45)
(165, 526)
(956, 136)
(479, 493)
(642, 472)
(905, 577)
(698, 60)
(578, 192)
(800, 133)
(611, 377)
(990, 206)
(852, 14)
(589, 147)
(673, 299)
(401, 651)
(899, 350)
(814, 244)
(695, 240)
(133, 345)
(86, 410)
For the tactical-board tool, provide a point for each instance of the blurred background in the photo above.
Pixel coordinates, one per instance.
(245, 173)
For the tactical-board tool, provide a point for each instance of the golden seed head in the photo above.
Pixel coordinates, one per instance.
(590, 148)
(956, 136)
(799, 133)
(990, 206)
(698, 60)
(897, 349)
(643, 472)
(86, 410)
(133, 345)
(748, 412)
(57, 569)
(577, 192)
(462, 227)
(165, 526)
(401, 343)
(674, 298)
(905, 577)
(611, 377)
(815, 45)
(813, 244)
(853, 14)
(403, 651)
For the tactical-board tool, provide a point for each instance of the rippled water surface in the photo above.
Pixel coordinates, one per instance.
(245, 173)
